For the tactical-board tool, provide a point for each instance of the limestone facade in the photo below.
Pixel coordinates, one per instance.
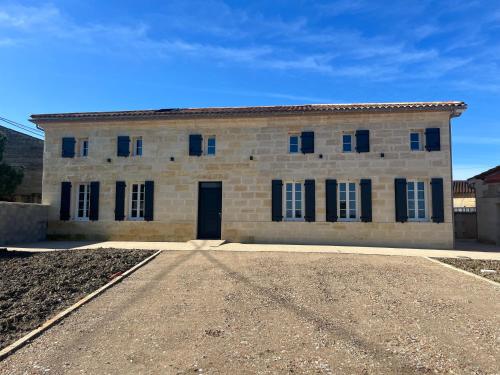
(246, 183)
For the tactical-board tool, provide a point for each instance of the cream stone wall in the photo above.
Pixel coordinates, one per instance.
(247, 183)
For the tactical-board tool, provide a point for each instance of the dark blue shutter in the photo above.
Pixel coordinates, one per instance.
(68, 147)
(277, 200)
(437, 200)
(310, 195)
(195, 144)
(307, 142)
(123, 146)
(65, 201)
(120, 200)
(362, 141)
(94, 201)
(432, 139)
(366, 200)
(149, 194)
(331, 200)
(400, 200)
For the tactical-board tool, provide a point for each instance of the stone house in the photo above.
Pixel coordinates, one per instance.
(487, 186)
(25, 152)
(358, 174)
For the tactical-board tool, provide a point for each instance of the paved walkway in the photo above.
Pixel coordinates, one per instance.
(467, 249)
(213, 312)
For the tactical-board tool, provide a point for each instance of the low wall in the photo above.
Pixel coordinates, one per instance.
(22, 222)
(465, 225)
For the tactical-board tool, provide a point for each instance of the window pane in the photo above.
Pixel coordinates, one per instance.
(288, 195)
(421, 205)
(288, 187)
(289, 214)
(411, 204)
(342, 214)
(352, 214)
(289, 205)
(298, 214)
(411, 214)
(421, 214)
(298, 187)
(420, 185)
(343, 205)
(342, 186)
(294, 143)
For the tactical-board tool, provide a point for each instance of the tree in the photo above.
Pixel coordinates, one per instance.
(10, 177)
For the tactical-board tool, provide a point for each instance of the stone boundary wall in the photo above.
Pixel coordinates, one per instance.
(22, 222)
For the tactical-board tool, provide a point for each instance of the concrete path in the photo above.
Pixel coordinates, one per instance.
(469, 249)
(213, 312)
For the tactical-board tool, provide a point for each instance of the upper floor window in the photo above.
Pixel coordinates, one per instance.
(293, 201)
(416, 143)
(83, 147)
(137, 201)
(137, 146)
(83, 202)
(416, 200)
(347, 201)
(211, 145)
(346, 142)
(293, 143)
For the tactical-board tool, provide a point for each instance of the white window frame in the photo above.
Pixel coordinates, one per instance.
(415, 195)
(420, 140)
(290, 135)
(130, 195)
(207, 138)
(86, 202)
(348, 204)
(81, 148)
(302, 195)
(351, 134)
(135, 148)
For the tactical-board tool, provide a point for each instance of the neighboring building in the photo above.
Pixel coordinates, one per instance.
(487, 186)
(25, 152)
(464, 198)
(357, 174)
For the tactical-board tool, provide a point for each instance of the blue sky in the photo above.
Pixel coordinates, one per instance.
(93, 55)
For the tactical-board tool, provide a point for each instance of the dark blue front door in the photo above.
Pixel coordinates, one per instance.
(209, 210)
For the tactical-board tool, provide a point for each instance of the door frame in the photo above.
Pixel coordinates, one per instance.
(198, 218)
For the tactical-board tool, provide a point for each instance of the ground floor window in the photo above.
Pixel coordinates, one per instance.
(416, 200)
(347, 201)
(137, 201)
(293, 201)
(83, 201)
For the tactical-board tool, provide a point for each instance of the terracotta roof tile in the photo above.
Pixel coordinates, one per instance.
(455, 107)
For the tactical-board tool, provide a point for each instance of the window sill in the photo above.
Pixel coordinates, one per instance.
(348, 220)
(135, 219)
(81, 219)
(418, 220)
(294, 220)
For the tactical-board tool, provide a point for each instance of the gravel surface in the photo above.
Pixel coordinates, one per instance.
(36, 286)
(475, 266)
(272, 313)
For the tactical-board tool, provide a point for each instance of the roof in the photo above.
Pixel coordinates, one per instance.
(461, 187)
(491, 175)
(454, 107)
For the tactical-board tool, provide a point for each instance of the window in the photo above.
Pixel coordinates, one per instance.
(211, 145)
(293, 144)
(347, 201)
(416, 143)
(137, 202)
(137, 146)
(83, 147)
(347, 143)
(83, 202)
(293, 201)
(416, 200)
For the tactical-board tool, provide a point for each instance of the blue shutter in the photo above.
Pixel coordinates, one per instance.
(437, 200)
(120, 201)
(362, 141)
(65, 201)
(310, 195)
(195, 144)
(366, 200)
(149, 194)
(307, 142)
(400, 200)
(331, 200)
(123, 146)
(432, 139)
(277, 200)
(68, 147)
(94, 201)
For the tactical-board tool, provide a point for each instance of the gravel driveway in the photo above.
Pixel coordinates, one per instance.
(237, 313)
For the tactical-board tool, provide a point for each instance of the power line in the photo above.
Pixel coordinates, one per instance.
(24, 128)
